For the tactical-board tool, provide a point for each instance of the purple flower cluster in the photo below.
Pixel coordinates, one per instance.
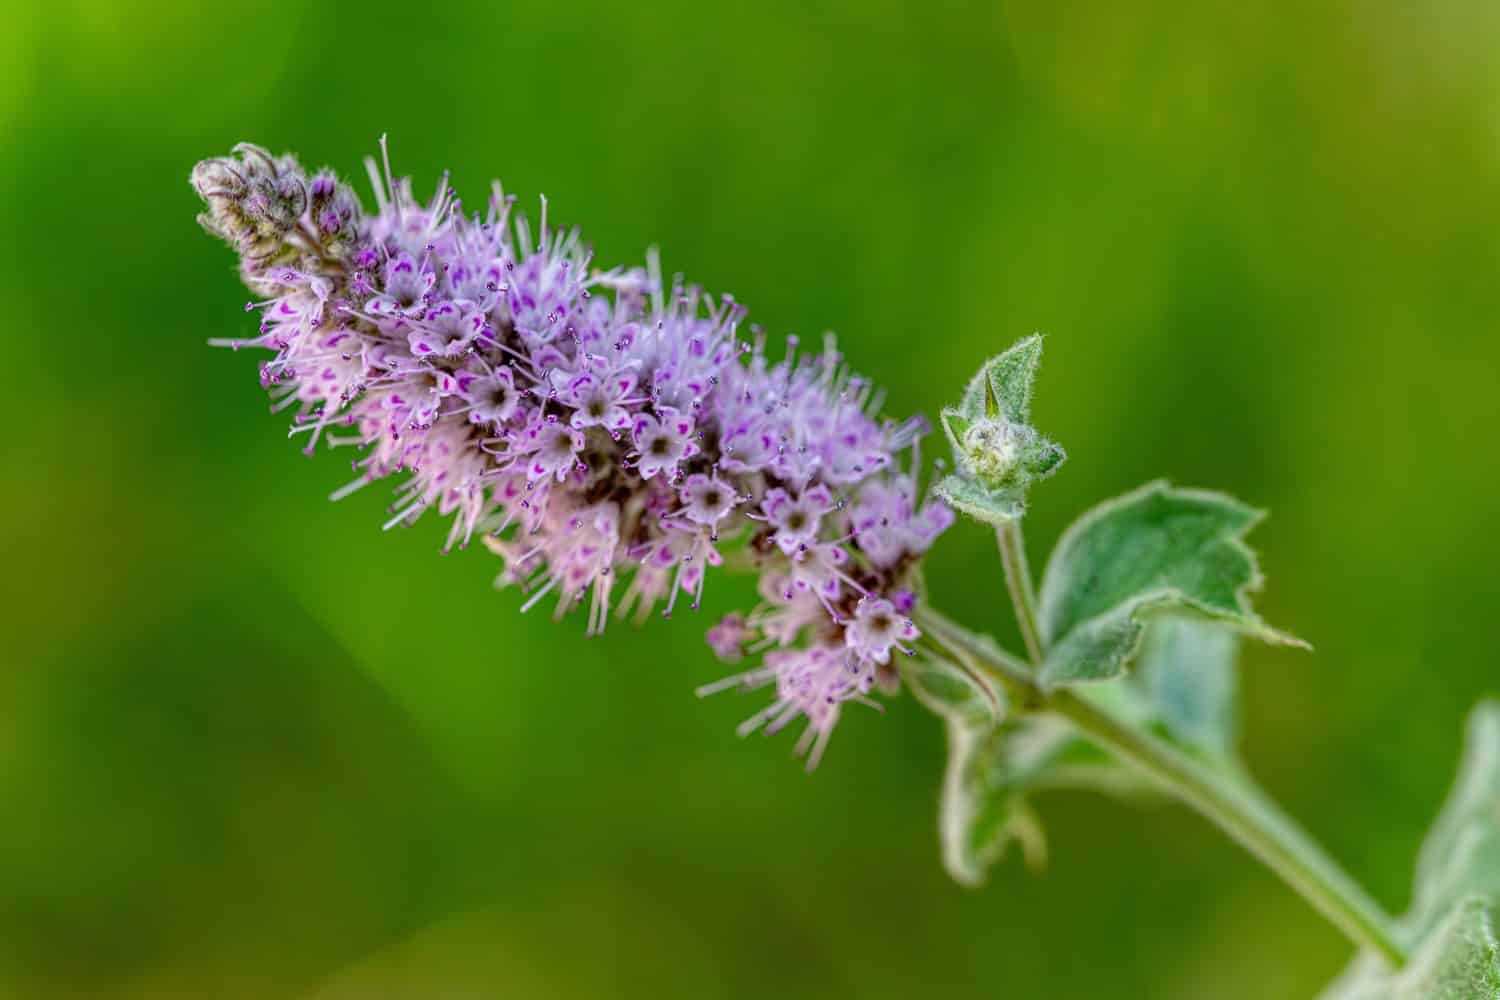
(608, 435)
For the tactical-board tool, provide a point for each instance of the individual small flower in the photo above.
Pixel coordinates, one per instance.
(727, 639)
(748, 443)
(818, 569)
(599, 400)
(788, 612)
(796, 520)
(404, 289)
(552, 448)
(445, 330)
(877, 626)
(706, 499)
(492, 397)
(662, 441)
(476, 279)
(334, 211)
(890, 525)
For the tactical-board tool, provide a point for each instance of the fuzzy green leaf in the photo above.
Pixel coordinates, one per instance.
(1154, 550)
(966, 496)
(978, 801)
(992, 768)
(956, 426)
(1187, 673)
(1041, 457)
(1461, 854)
(1002, 386)
(1458, 960)
(1450, 926)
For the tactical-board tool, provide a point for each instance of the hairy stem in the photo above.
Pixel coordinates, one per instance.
(1237, 807)
(1018, 581)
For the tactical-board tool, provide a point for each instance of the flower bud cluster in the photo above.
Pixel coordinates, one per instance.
(609, 435)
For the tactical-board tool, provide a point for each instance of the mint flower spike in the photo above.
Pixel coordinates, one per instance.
(611, 436)
(997, 453)
(607, 434)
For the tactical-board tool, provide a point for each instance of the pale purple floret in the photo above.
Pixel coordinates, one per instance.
(404, 290)
(492, 395)
(876, 627)
(445, 330)
(549, 446)
(604, 432)
(662, 441)
(599, 399)
(727, 639)
(706, 499)
(795, 520)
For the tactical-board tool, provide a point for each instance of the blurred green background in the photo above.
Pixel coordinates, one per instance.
(252, 747)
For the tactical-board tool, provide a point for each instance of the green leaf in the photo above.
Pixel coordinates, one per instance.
(1450, 926)
(993, 763)
(956, 425)
(1187, 674)
(1154, 550)
(978, 800)
(1002, 386)
(1461, 853)
(1458, 960)
(991, 770)
(966, 496)
(952, 692)
(1041, 457)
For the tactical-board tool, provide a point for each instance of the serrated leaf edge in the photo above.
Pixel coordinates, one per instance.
(1168, 599)
(1248, 623)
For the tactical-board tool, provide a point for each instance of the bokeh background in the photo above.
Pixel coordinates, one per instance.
(252, 747)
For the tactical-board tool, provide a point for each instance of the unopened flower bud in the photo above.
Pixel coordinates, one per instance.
(998, 453)
(218, 178)
(992, 450)
(255, 202)
(334, 211)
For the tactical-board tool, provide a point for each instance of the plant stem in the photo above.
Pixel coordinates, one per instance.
(1237, 807)
(1018, 581)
